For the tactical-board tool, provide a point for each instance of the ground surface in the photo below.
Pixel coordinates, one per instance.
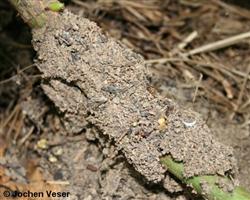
(155, 29)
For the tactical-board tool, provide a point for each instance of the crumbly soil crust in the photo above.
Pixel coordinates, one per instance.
(96, 81)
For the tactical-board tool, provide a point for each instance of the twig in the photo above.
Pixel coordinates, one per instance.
(240, 11)
(239, 100)
(58, 182)
(219, 44)
(197, 87)
(13, 77)
(243, 87)
(23, 140)
(187, 40)
(197, 62)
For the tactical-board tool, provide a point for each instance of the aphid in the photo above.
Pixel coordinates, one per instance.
(42, 144)
(169, 109)
(152, 90)
(56, 6)
(162, 123)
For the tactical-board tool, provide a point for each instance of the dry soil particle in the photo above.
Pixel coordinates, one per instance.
(93, 79)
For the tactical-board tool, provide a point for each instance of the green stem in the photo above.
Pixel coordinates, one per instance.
(36, 12)
(213, 191)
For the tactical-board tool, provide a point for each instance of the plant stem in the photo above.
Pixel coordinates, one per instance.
(36, 12)
(213, 191)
